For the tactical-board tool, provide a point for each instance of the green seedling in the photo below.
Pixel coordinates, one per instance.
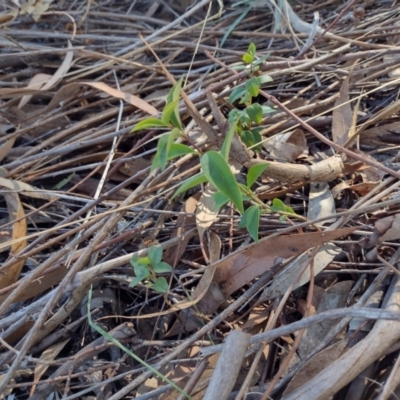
(215, 167)
(167, 149)
(147, 269)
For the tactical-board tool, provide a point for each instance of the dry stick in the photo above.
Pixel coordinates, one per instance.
(323, 139)
(300, 335)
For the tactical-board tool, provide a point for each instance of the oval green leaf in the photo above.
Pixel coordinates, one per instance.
(149, 123)
(253, 87)
(254, 173)
(252, 221)
(217, 170)
(162, 267)
(255, 112)
(155, 255)
(161, 285)
(168, 111)
(195, 180)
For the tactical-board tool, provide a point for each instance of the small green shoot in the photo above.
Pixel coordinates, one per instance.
(215, 165)
(167, 149)
(147, 268)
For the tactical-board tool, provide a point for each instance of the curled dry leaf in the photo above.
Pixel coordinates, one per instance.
(321, 202)
(342, 115)
(34, 8)
(316, 364)
(385, 229)
(19, 232)
(287, 146)
(46, 82)
(288, 276)
(206, 212)
(335, 297)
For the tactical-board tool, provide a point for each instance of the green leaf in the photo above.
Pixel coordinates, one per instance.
(253, 214)
(261, 60)
(226, 145)
(264, 79)
(149, 123)
(267, 110)
(195, 180)
(234, 115)
(246, 99)
(220, 200)
(135, 281)
(257, 146)
(252, 49)
(161, 285)
(138, 261)
(236, 94)
(162, 152)
(247, 138)
(248, 58)
(255, 113)
(162, 267)
(174, 94)
(254, 173)
(253, 87)
(174, 97)
(168, 111)
(142, 271)
(217, 170)
(155, 255)
(244, 119)
(179, 149)
(279, 206)
(176, 150)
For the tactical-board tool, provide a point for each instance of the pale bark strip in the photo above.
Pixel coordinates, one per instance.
(228, 366)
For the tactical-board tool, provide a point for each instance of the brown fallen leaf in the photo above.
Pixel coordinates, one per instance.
(316, 364)
(242, 266)
(20, 230)
(335, 297)
(46, 82)
(47, 356)
(342, 115)
(386, 229)
(287, 146)
(72, 88)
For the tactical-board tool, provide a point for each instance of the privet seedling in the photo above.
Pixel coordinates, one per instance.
(147, 268)
(215, 168)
